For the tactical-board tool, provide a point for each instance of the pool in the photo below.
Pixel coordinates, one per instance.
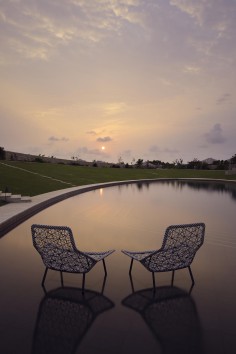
(121, 316)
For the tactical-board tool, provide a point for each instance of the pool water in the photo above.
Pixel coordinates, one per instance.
(118, 314)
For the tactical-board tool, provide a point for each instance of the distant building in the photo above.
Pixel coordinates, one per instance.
(147, 164)
(231, 170)
(209, 161)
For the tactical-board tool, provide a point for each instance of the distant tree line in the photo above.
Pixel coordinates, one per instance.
(178, 163)
(193, 164)
(2, 153)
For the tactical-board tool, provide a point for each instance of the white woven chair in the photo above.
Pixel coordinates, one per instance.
(57, 249)
(179, 247)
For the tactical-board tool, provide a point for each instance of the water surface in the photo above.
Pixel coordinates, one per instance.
(119, 318)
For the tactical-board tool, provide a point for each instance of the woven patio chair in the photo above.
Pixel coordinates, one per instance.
(58, 251)
(180, 244)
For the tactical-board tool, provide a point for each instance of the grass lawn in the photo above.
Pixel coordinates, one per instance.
(31, 178)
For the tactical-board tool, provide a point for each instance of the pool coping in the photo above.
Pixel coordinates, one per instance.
(13, 214)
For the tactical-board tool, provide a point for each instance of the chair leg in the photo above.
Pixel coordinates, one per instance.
(83, 282)
(131, 265)
(104, 283)
(104, 266)
(153, 282)
(191, 275)
(61, 274)
(44, 276)
(131, 282)
(172, 278)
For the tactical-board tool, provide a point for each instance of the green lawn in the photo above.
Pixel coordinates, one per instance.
(35, 179)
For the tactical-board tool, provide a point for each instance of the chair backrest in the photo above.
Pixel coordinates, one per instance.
(53, 236)
(178, 250)
(185, 235)
(56, 246)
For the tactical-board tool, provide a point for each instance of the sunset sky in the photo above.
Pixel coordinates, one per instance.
(110, 79)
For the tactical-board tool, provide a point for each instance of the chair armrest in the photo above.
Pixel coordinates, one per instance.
(98, 256)
(138, 256)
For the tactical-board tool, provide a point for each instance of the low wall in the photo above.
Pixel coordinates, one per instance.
(18, 156)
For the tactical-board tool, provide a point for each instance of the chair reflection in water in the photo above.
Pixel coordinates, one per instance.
(65, 315)
(171, 316)
(58, 251)
(180, 244)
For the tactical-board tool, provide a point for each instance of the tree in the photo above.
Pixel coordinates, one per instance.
(233, 159)
(120, 160)
(133, 161)
(194, 164)
(139, 163)
(178, 163)
(2, 153)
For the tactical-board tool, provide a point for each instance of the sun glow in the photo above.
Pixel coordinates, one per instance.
(103, 147)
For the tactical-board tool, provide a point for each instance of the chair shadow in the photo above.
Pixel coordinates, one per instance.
(65, 315)
(171, 315)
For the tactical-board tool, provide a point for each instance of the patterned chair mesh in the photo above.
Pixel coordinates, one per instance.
(180, 244)
(58, 251)
(64, 317)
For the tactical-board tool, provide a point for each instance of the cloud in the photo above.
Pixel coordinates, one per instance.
(92, 152)
(125, 10)
(192, 69)
(215, 136)
(91, 132)
(215, 21)
(224, 98)
(36, 29)
(126, 154)
(219, 17)
(194, 9)
(54, 138)
(105, 139)
(156, 149)
(115, 108)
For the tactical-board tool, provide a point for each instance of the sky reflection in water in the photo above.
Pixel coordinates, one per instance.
(132, 217)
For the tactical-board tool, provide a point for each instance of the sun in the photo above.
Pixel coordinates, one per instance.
(103, 147)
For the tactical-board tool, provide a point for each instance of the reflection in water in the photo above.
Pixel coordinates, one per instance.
(132, 218)
(140, 185)
(213, 186)
(64, 316)
(171, 315)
